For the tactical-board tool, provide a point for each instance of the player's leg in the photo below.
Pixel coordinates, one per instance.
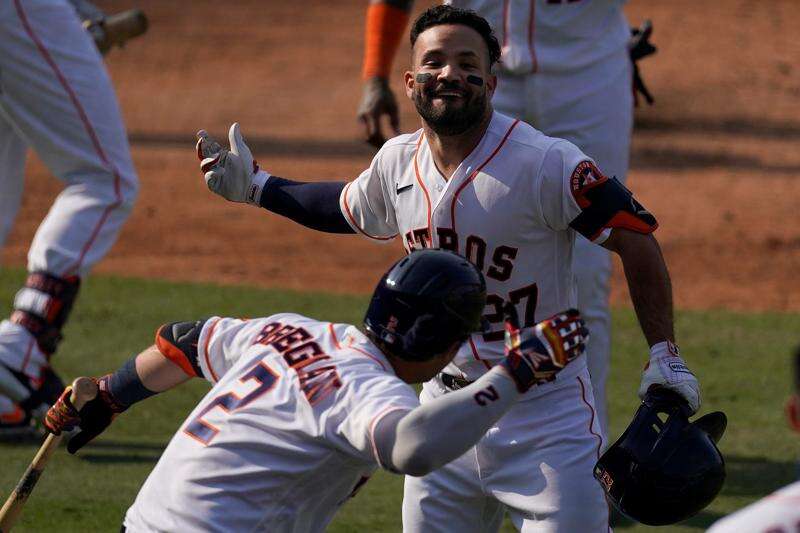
(56, 92)
(450, 498)
(12, 169)
(594, 110)
(539, 462)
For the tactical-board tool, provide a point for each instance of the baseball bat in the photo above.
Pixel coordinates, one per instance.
(83, 390)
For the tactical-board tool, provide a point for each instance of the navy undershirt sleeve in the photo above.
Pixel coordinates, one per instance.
(314, 205)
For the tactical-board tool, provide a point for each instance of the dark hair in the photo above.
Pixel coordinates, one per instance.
(444, 14)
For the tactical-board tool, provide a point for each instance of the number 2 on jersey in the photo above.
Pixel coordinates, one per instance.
(203, 431)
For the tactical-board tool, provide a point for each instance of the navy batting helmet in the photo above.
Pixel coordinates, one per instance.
(427, 301)
(664, 469)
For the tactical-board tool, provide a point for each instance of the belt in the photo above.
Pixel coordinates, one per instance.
(454, 382)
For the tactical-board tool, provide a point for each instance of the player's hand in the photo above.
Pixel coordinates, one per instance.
(536, 354)
(92, 419)
(231, 172)
(667, 369)
(377, 100)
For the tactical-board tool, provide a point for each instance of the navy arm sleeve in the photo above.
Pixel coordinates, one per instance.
(314, 205)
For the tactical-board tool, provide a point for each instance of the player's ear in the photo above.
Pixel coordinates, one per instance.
(408, 80)
(793, 412)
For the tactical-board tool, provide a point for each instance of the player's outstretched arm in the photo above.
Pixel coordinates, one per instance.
(385, 25)
(419, 441)
(233, 174)
(651, 294)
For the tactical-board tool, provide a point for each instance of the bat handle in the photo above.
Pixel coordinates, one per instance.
(83, 390)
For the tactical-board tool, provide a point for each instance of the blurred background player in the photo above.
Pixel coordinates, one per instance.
(55, 97)
(780, 511)
(302, 412)
(566, 69)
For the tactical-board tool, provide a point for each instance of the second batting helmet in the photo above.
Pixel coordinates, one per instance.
(427, 301)
(664, 469)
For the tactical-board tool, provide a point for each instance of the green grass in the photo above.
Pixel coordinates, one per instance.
(741, 360)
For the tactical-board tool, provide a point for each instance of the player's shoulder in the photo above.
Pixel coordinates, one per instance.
(355, 351)
(401, 146)
(778, 509)
(526, 142)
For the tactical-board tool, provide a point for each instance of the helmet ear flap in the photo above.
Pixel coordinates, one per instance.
(713, 423)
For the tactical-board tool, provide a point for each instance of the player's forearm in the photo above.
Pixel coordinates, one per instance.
(385, 25)
(156, 372)
(648, 283)
(443, 429)
(143, 376)
(314, 205)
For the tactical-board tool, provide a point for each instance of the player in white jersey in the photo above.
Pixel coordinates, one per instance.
(780, 511)
(55, 97)
(302, 411)
(512, 200)
(565, 69)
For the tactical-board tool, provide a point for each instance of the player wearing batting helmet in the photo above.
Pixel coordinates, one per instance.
(302, 412)
(513, 201)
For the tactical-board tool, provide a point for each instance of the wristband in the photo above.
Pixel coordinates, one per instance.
(126, 387)
(257, 185)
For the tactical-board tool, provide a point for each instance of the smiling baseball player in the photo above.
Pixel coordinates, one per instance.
(565, 68)
(302, 412)
(511, 200)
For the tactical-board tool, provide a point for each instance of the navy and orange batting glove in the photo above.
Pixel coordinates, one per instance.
(535, 354)
(62, 416)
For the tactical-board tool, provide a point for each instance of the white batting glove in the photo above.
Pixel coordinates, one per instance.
(666, 368)
(231, 173)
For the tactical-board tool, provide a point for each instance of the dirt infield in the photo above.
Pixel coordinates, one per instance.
(716, 159)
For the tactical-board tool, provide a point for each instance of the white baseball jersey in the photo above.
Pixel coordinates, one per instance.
(282, 439)
(777, 513)
(566, 70)
(506, 208)
(553, 35)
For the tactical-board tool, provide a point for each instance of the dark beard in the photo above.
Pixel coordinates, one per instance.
(450, 120)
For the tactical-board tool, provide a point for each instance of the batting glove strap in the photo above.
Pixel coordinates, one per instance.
(105, 395)
(667, 368)
(62, 416)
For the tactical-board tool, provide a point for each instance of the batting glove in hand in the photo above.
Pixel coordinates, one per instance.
(536, 354)
(666, 368)
(92, 419)
(231, 173)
